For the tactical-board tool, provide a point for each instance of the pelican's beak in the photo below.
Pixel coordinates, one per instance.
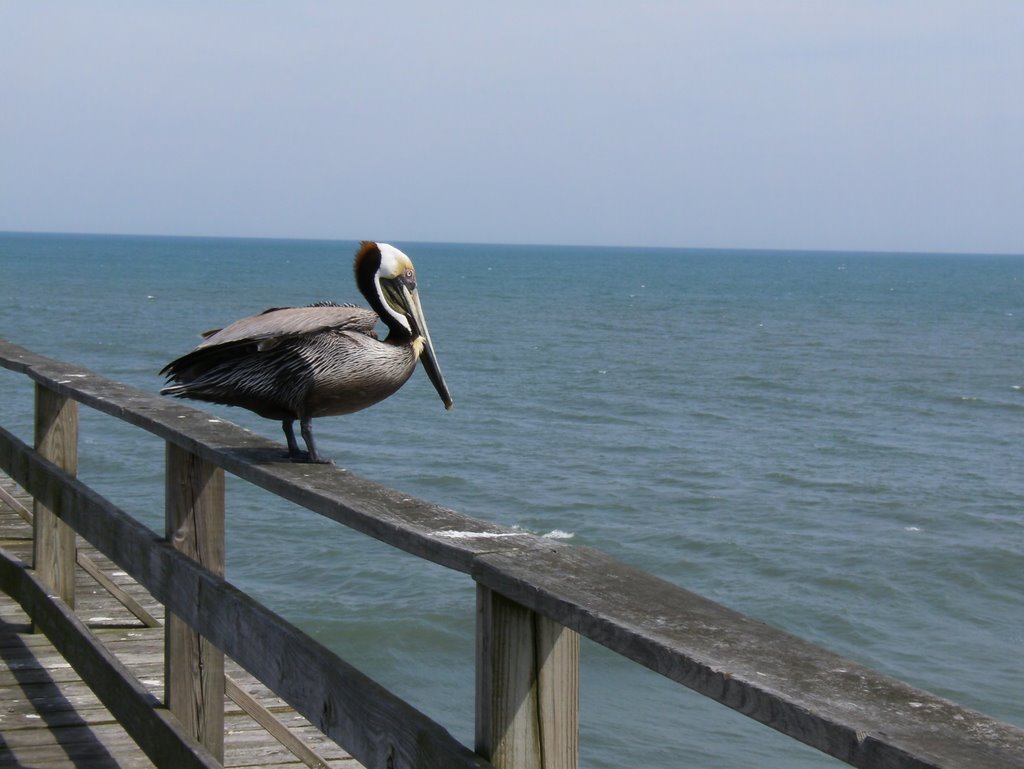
(411, 301)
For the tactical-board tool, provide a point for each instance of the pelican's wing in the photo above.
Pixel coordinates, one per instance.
(279, 323)
(266, 331)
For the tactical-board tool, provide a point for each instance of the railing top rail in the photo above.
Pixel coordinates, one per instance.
(804, 691)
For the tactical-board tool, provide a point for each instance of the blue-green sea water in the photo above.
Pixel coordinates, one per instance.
(829, 442)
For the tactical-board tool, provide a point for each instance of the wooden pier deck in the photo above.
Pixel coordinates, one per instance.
(50, 719)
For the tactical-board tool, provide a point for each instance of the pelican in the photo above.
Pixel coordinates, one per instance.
(325, 359)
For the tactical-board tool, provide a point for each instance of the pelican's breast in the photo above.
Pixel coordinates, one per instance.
(353, 371)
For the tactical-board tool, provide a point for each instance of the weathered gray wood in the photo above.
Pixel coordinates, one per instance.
(277, 728)
(527, 699)
(378, 728)
(815, 696)
(8, 499)
(558, 681)
(56, 431)
(89, 566)
(48, 715)
(159, 735)
(126, 600)
(195, 667)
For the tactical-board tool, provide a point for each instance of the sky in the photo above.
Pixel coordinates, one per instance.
(893, 125)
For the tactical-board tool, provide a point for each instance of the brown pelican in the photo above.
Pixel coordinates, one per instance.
(293, 363)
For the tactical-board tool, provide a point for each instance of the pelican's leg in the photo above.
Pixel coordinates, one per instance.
(306, 425)
(288, 425)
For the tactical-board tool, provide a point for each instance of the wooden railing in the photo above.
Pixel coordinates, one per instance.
(535, 597)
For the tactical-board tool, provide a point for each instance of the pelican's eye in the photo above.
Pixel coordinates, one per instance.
(408, 279)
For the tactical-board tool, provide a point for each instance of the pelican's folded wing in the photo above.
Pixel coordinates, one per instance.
(278, 323)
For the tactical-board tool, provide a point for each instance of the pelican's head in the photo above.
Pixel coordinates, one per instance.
(387, 279)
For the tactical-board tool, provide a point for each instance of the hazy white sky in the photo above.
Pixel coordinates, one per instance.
(846, 124)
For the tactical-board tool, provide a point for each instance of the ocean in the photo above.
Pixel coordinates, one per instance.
(828, 442)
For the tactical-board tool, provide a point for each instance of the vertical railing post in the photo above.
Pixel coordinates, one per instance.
(194, 667)
(56, 439)
(527, 687)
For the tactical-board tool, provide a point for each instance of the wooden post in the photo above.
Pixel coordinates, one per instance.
(194, 667)
(527, 687)
(53, 549)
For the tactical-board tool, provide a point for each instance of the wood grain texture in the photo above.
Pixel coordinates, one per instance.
(274, 726)
(558, 699)
(56, 437)
(194, 672)
(527, 700)
(124, 598)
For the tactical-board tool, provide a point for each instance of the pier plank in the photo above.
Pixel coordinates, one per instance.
(50, 718)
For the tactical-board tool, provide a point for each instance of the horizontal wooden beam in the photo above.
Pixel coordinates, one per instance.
(378, 728)
(154, 729)
(806, 692)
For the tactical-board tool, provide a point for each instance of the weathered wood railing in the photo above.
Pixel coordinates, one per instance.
(534, 598)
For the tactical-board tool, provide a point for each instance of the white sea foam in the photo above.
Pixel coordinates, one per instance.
(477, 534)
(553, 534)
(559, 534)
(517, 532)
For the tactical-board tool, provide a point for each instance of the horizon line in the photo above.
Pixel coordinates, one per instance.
(722, 249)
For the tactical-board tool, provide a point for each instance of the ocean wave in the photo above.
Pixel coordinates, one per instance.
(517, 531)
(820, 484)
(559, 534)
